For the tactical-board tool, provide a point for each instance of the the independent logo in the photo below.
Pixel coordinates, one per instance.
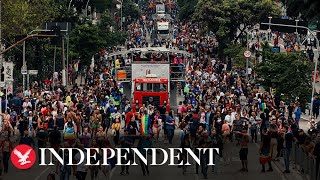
(23, 157)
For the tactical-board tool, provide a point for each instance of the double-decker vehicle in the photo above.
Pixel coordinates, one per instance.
(150, 90)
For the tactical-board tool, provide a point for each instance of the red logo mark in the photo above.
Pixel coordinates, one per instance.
(23, 157)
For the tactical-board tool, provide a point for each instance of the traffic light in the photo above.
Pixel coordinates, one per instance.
(2, 74)
(56, 30)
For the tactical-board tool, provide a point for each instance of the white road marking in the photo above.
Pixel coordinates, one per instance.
(42, 173)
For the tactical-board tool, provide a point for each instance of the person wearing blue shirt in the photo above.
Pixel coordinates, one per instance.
(170, 126)
(297, 113)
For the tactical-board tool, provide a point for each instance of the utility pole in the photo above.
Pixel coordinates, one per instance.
(1, 55)
(121, 5)
(24, 66)
(87, 8)
(121, 15)
(316, 56)
(63, 65)
(247, 59)
(67, 75)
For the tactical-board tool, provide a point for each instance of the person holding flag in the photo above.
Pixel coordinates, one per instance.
(145, 123)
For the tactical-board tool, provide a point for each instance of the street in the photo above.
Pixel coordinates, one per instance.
(230, 171)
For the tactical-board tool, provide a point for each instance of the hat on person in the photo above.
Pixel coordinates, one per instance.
(300, 130)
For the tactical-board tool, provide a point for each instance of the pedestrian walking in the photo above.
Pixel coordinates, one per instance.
(265, 153)
(288, 141)
(170, 126)
(6, 148)
(244, 150)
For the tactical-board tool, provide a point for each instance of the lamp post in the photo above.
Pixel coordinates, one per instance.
(1, 56)
(69, 5)
(248, 49)
(316, 56)
(87, 8)
(121, 3)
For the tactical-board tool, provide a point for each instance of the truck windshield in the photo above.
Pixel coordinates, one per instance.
(151, 87)
(163, 31)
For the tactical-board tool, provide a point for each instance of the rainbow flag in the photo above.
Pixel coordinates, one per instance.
(144, 129)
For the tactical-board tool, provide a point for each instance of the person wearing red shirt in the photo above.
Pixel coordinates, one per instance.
(128, 117)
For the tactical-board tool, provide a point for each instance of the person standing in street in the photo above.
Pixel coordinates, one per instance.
(145, 142)
(65, 170)
(42, 137)
(26, 139)
(265, 153)
(126, 141)
(315, 107)
(204, 142)
(6, 147)
(81, 170)
(297, 113)
(244, 141)
(288, 141)
(316, 154)
(170, 125)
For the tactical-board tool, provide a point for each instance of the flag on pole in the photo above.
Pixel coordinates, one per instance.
(144, 130)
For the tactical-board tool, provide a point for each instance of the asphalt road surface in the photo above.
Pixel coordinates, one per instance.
(228, 171)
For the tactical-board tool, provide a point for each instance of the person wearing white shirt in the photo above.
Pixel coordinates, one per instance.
(253, 126)
(233, 115)
(249, 72)
(26, 104)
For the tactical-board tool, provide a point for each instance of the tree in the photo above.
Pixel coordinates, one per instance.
(308, 9)
(21, 17)
(289, 75)
(110, 38)
(101, 5)
(86, 41)
(187, 8)
(130, 9)
(225, 18)
(235, 52)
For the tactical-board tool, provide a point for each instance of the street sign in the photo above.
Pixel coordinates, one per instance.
(247, 54)
(24, 71)
(33, 72)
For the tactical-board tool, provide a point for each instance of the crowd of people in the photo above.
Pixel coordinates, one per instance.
(219, 109)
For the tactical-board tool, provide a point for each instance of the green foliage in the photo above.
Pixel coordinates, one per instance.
(289, 74)
(86, 41)
(130, 9)
(187, 8)
(101, 5)
(21, 17)
(226, 17)
(309, 9)
(235, 52)
(106, 22)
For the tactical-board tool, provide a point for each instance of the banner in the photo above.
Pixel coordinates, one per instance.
(8, 76)
(8, 71)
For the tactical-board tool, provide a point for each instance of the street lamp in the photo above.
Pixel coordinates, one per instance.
(248, 49)
(119, 6)
(69, 5)
(315, 57)
(87, 8)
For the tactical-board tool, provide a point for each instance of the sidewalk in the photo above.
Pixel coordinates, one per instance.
(231, 171)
